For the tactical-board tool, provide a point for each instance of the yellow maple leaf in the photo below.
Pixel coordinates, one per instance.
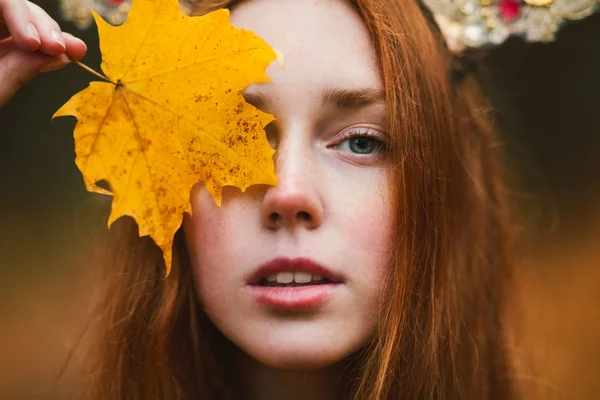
(171, 114)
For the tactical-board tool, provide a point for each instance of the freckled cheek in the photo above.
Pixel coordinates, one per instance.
(213, 241)
(371, 222)
(374, 236)
(214, 264)
(211, 285)
(368, 229)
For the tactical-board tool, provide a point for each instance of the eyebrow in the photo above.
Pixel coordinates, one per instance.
(351, 98)
(331, 97)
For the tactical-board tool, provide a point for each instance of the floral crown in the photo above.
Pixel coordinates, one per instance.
(468, 26)
(480, 24)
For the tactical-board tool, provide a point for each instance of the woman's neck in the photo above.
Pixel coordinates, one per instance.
(260, 382)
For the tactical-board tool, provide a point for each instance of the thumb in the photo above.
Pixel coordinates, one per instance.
(18, 67)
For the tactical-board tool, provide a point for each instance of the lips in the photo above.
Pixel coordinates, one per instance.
(293, 284)
(284, 268)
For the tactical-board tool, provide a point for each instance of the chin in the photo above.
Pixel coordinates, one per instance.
(297, 359)
(307, 351)
(296, 343)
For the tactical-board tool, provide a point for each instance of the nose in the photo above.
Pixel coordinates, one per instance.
(295, 200)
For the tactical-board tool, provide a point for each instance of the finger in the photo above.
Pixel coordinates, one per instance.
(20, 24)
(6, 46)
(19, 66)
(3, 30)
(50, 32)
(76, 48)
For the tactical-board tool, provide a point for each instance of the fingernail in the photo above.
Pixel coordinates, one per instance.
(33, 33)
(78, 40)
(67, 35)
(58, 39)
(60, 62)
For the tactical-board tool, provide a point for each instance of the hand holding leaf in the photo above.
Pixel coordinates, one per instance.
(31, 42)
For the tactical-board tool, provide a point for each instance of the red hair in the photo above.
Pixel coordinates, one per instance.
(441, 332)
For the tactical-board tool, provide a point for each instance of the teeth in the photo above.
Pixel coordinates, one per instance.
(285, 277)
(302, 277)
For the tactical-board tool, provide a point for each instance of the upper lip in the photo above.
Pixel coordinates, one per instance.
(281, 264)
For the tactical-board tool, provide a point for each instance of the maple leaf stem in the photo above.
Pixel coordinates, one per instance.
(88, 69)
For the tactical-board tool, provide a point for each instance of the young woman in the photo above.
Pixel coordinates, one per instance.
(389, 207)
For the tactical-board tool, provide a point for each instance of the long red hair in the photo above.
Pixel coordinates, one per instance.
(441, 331)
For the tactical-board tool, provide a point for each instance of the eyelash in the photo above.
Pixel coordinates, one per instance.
(364, 133)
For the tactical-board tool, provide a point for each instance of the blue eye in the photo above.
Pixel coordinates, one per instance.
(362, 142)
(362, 145)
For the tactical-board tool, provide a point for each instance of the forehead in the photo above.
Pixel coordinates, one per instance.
(325, 42)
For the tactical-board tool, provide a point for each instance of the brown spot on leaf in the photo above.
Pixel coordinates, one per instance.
(144, 144)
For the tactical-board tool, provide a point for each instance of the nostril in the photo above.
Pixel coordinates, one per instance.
(274, 217)
(304, 216)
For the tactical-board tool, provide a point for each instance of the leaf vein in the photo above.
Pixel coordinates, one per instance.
(148, 168)
(210, 135)
(144, 40)
(97, 134)
(189, 66)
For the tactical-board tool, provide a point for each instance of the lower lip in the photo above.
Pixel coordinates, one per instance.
(298, 297)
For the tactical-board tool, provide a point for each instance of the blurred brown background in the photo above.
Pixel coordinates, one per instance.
(547, 105)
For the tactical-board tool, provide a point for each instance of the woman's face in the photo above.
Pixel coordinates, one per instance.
(330, 212)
